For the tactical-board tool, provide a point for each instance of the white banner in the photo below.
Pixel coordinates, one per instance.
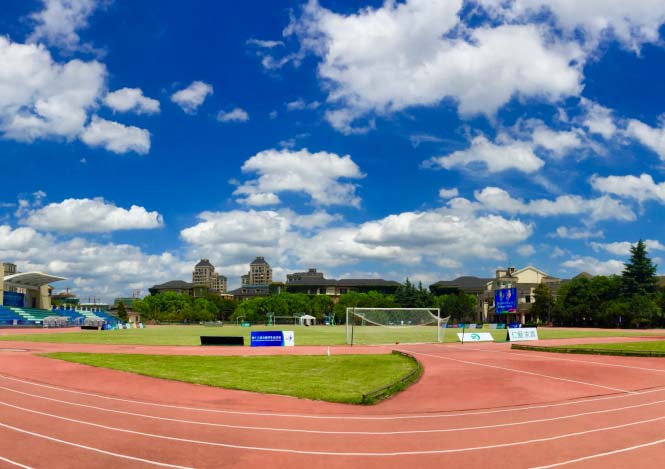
(289, 339)
(519, 334)
(476, 337)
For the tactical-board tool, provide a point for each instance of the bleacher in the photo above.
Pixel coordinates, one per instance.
(78, 316)
(9, 317)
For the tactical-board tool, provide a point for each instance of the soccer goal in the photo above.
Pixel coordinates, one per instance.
(394, 325)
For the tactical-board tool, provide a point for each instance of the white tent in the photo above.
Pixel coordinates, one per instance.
(307, 320)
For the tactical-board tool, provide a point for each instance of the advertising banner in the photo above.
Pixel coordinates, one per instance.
(476, 337)
(271, 339)
(505, 300)
(522, 333)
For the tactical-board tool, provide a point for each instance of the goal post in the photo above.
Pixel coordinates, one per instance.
(394, 325)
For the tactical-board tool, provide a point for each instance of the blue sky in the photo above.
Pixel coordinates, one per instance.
(417, 138)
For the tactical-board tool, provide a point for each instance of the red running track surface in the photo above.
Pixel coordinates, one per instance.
(476, 406)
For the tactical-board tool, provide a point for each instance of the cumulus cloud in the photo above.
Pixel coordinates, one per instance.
(508, 154)
(598, 119)
(448, 193)
(264, 44)
(632, 23)
(558, 143)
(404, 54)
(564, 232)
(300, 104)
(116, 137)
(594, 266)
(650, 137)
(622, 248)
(526, 250)
(131, 99)
(315, 174)
(96, 269)
(40, 98)
(58, 22)
(405, 238)
(640, 188)
(600, 208)
(90, 216)
(235, 115)
(190, 98)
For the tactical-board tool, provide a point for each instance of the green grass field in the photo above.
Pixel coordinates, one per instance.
(318, 335)
(336, 378)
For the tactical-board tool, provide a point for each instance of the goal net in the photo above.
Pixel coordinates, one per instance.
(394, 325)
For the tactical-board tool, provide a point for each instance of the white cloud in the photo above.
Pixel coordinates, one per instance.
(131, 99)
(235, 115)
(526, 250)
(40, 98)
(640, 188)
(601, 208)
(417, 139)
(594, 266)
(58, 22)
(399, 55)
(90, 216)
(260, 199)
(116, 137)
(315, 174)
(104, 270)
(632, 23)
(407, 238)
(564, 232)
(508, 154)
(653, 138)
(623, 248)
(559, 143)
(264, 44)
(598, 119)
(300, 104)
(448, 193)
(190, 98)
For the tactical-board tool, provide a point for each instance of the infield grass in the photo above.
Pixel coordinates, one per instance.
(316, 335)
(336, 378)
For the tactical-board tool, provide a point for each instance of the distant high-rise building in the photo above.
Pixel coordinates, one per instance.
(259, 273)
(204, 275)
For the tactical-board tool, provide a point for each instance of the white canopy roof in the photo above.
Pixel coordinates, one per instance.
(31, 279)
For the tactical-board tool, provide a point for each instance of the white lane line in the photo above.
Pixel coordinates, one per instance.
(486, 365)
(326, 432)
(90, 448)
(330, 453)
(543, 355)
(14, 463)
(343, 417)
(600, 455)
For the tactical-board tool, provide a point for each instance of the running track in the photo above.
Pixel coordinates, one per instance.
(477, 406)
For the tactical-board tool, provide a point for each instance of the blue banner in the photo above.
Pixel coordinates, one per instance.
(505, 300)
(266, 338)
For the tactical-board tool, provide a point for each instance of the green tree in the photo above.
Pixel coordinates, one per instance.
(122, 312)
(544, 303)
(459, 306)
(639, 275)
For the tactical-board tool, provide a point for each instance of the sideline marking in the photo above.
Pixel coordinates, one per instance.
(326, 432)
(69, 443)
(519, 371)
(319, 453)
(15, 463)
(600, 455)
(344, 417)
(526, 354)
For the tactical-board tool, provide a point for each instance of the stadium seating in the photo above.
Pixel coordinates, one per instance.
(8, 317)
(33, 316)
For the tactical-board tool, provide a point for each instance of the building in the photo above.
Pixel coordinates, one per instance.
(178, 286)
(259, 273)
(204, 275)
(315, 283)
(25, 289)
(525, 282)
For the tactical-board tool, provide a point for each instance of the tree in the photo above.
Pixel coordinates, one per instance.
(544, 302)
(122, 312)
(639, 275)
(459, 306)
